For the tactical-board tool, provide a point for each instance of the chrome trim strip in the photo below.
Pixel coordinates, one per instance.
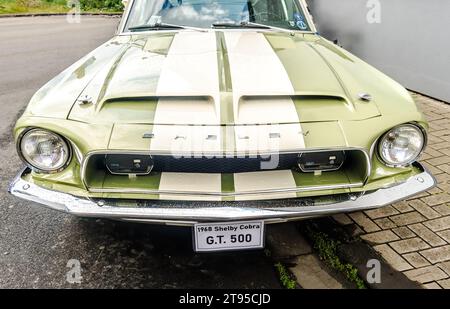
(308, 16)
(187, 216)
(125, 15)
(221, 194)
(106, 152)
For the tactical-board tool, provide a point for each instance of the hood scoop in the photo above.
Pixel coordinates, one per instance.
(206, 110)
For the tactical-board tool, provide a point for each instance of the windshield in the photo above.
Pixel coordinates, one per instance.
(287, 14)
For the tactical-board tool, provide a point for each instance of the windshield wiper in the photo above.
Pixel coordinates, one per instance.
(162, 26)
(239, 25)
(250, 25)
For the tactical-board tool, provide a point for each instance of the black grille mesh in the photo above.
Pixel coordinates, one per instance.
(224, 165)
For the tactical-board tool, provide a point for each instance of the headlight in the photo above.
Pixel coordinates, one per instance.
(44, 151)
(402, 145)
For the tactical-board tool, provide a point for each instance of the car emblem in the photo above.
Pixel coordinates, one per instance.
(148, 135)
(304, 133)
(274, 135)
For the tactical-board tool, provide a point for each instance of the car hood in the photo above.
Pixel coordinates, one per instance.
(216, 78)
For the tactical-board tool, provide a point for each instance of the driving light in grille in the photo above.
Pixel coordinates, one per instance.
(402, 145)
(321, 161)
(129, 164)
(44, 151)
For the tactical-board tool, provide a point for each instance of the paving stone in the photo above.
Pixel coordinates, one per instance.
(432, 286)
(403, 207)
(445, 266)
(404, 232)
(439, 160)
(434, 140)
(364, 222)
(444, 167)
(439, 224)
(442, 178)
(285, 241)
(433, 153)
(445, 187)
(436, 255)
(437, 199)
(394, 259)
(444, 235)
(424, 209)
(440, 145)
(435, 126)
(416, 260)
(343, 219)
(440, 132)
(430, 237)
(385, 223)
(442, 122)
(409, 245)
(444, 209)
(446, 151)
(424, 156)
(356, 231)
(408, 218)
(310, 274)
(426, 274)
(420, 195)
(435, 190)
(381, 212)
(380, 237)
(445, 284)
(433, 169)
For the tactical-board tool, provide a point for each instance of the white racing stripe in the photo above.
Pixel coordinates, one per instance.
(190, 69)
(257, 71)
(267, 180)
(190, 182)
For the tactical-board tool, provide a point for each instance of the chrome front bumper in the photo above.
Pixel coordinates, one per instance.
(187, 214)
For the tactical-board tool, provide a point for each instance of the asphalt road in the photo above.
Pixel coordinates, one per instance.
(36, 244)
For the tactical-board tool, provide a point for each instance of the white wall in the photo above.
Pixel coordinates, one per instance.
(409, 40)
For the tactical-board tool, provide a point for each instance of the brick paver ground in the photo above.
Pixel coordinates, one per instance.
(414, 235)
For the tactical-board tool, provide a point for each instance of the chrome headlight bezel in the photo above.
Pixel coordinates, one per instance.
(40, 169)
(413, 159)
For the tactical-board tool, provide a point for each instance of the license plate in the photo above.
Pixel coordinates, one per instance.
(228, 236)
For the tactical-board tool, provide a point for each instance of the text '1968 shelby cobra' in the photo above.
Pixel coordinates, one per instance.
(221, 115)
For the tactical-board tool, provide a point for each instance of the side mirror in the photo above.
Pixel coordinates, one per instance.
(124, 2)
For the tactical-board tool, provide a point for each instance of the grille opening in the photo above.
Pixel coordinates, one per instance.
(352, 171)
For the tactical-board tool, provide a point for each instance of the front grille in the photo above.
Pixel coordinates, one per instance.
(353, 171)
(224, 165)
(141, 164)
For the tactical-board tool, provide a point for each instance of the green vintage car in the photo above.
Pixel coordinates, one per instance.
(222, 115)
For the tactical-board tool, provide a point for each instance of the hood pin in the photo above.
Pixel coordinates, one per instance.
(84, 99)
(365, 97)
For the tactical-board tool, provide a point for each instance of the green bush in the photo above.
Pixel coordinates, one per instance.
(29, 3)
(111, 5)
